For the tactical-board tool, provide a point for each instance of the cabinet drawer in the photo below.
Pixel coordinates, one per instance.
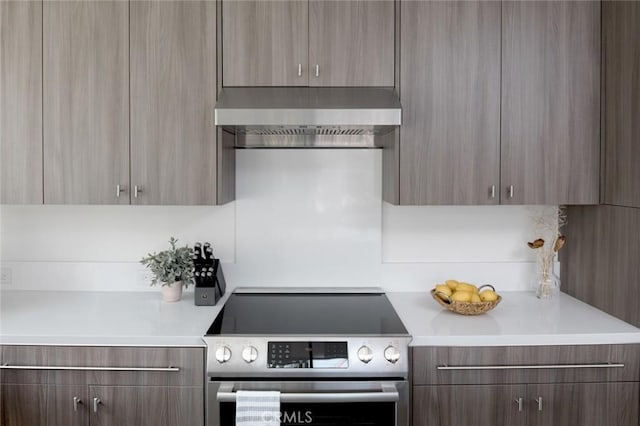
(525, 364)
(156, 366)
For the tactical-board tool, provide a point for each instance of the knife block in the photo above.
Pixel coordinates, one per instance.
(208, 292)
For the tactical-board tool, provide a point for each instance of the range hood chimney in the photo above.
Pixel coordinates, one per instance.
(346, 117)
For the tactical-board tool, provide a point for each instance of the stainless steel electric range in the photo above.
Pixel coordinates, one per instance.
(337, 356)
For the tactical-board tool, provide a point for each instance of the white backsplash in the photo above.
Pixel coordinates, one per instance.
(301, 218)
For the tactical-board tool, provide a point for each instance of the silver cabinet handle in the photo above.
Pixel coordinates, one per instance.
(169, 369)
(528, 367)
(96, 402)
(539, 401)
(299, 70)
(76, 401)
(519, 402)
(136, 190)
(492, 191)
(317, 70)
(119, 190)
(510, 191)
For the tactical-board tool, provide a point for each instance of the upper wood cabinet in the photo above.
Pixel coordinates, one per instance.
(264, 43)
(351, 43)
(501, 103)
(173, 94)
(86, 101)
(550, 144)
(621, 65)
(308, 43)
(21, 102)
(450, 93)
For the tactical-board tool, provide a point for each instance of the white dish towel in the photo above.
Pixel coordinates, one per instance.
(257, 408)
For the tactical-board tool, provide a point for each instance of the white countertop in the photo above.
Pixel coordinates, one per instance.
(519, 319)
(102, 319)
(142, 319)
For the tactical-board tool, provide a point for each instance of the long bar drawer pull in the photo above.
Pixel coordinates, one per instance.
(169, 369)
(324, 397)
(528, 367)
(226, 394)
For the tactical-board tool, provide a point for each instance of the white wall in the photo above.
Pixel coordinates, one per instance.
(301, 217)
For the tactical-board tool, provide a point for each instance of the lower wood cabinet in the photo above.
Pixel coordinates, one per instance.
(145, 405)
(468, 405)
(79, 386)
(584, 404)
(23, 405)
(591, 385)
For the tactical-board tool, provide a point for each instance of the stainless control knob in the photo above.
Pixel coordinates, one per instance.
(365, 354)
(223, 354)
(392, 354)
(249, 354)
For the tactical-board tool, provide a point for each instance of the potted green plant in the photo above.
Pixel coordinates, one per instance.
(172, 268)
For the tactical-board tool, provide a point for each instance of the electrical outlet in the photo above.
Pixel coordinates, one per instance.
(5, 276)
(144, 277)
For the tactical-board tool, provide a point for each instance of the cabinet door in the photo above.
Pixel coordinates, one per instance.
(469, 405)
(61, 408)
(550, 102)
(621, 64)
(584, 404)
(147, 405)
(351, 43)
(264, 42)
(86, 101)
(21, 102)
(173, 93)
(22, 405)
(450, 93)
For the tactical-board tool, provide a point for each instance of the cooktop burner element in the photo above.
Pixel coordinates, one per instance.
(304, 333)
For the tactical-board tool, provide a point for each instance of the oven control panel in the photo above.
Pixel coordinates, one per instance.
(298, 354)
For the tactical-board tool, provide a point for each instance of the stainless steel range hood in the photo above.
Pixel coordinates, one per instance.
(307, 117)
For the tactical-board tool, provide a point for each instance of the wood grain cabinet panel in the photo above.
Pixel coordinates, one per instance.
(21, 102)
(308, 43)
(601, 266)
(584, 404)
(468, 405)
(621, 64)
(61, 409)
(22, 405)
(351, 43)
(580, 394)
(86, 101)
(127, 397)
(147, 405)
(265, 43)
(550, 149)
(426, 361)
(173, 94)
(450, 93)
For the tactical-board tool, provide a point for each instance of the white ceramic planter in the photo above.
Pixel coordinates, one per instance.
(172, 292)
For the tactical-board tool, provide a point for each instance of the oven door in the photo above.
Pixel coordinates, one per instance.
(318, 403)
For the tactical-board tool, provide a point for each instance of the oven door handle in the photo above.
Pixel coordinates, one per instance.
(388, 393)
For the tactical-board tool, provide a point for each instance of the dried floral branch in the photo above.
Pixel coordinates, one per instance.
(536, 244)
(559, 243)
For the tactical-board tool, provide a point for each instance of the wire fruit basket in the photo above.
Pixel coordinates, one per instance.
(465, 308)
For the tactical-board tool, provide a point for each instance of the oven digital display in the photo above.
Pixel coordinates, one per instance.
(308, 355)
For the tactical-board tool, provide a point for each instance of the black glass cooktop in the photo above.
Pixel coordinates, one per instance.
(307, 314)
